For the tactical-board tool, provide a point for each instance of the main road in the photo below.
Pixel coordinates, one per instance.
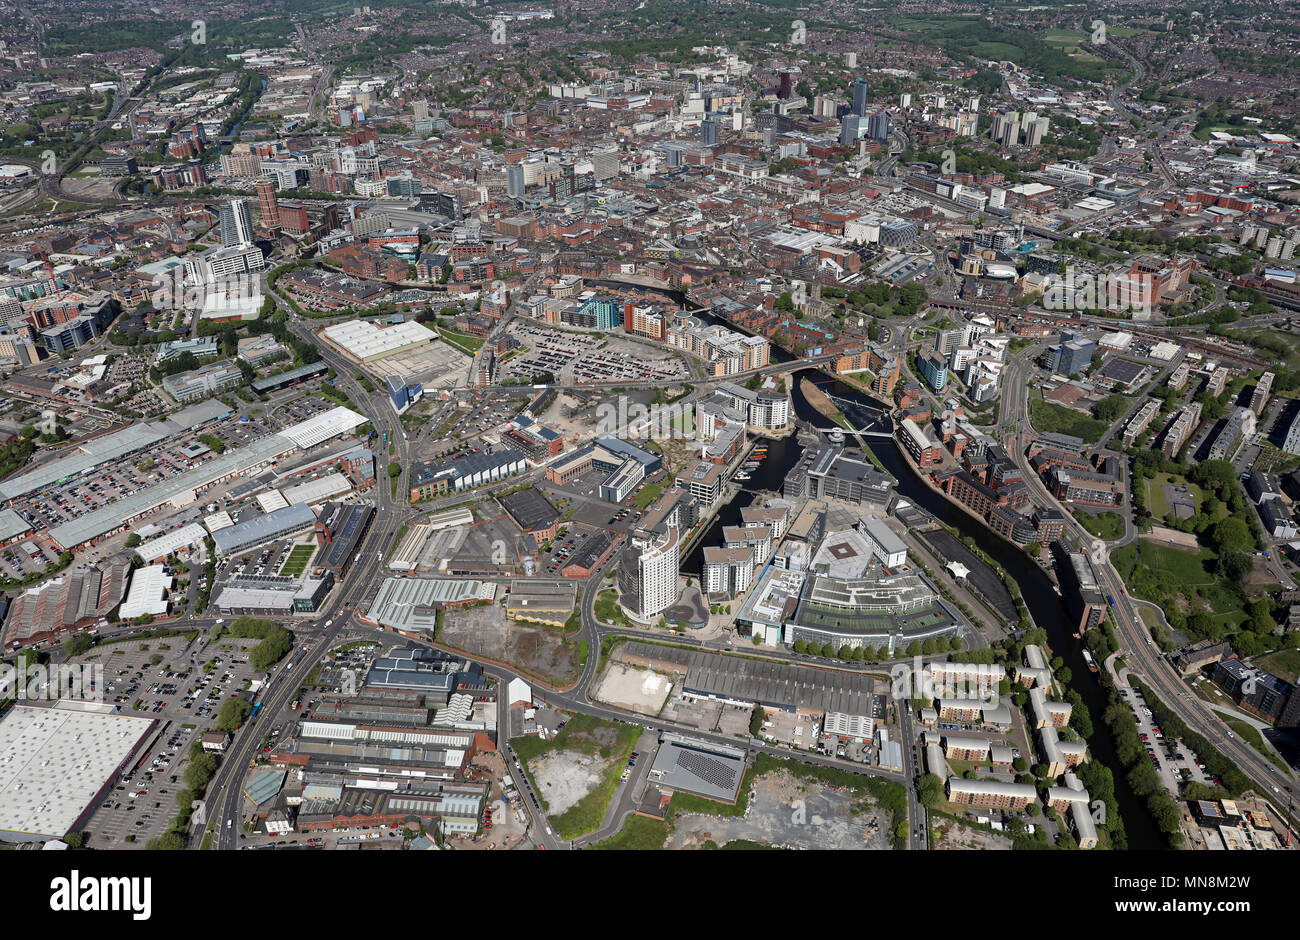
(224, 793)
(1142, 655)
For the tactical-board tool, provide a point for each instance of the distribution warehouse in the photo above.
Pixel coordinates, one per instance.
(180, 490)
(58, 764)
(365, 341)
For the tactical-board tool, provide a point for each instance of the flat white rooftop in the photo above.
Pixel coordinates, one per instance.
(364, 340)
(54, 762)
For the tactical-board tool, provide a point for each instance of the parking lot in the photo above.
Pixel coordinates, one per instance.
(160, 462)
(269, 561)
(136, 473)
(29, 556)
(342, 668)
(142, 800)
(583, 358)
(171, 678)
(182, 684)
(457, 424)
(1174, 762)
(576, 543)
(299, 406)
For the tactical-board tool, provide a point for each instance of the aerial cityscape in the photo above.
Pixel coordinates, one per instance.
(649, 425)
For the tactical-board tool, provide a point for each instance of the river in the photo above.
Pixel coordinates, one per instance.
(1039, 593)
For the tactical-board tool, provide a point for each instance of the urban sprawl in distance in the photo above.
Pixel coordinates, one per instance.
(615, 424)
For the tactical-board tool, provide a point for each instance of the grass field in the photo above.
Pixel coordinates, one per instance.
(1160, 573)
(1284, 663)
(649, 494)
(1104, 525)
(1187, 567)
(608, 609)
(1049, 416)
(584, 733)
(297, 561)
(1252, 736)
(462, 341)
(1158, 503)
(639, 833)
(1064, 37)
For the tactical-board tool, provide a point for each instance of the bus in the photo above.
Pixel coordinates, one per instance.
(257, 707)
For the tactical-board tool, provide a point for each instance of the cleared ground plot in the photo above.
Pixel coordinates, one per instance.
(565, 777)
(951, 835)
(576, 772)
(537, 650)
(437, 365)
(640, 690)
(790, 813)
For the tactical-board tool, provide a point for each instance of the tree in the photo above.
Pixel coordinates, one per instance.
(1110, 407)
(756, 719)
(1231, 535)
(394, 470)
(77, 644)
(132, 540)
(828, 650)
(1235, 566)
(233, 713)
(800, 646)
(929, 790)
(1261, 616)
